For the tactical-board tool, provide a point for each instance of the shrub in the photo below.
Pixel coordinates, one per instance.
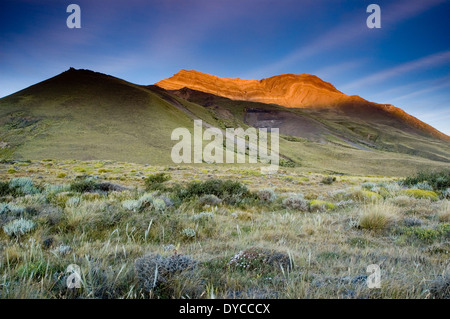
(328, 180)
(4, 188)
(55, 189)
(440, 288)
(320, 205)
(145, 201)
(368, 185)
(296, 202)
(446, 193)
(85, 185)
(19, 186)
(225, 190)
(7, 209)
(439, 180)
(188, 233)
(419, 193)
(159, 205)
(156, 181)
(378, 216)
(362, 195)
(266, 195)
(61, 175)
(391, 187)
(154, 271)
(209, 200)
(203, 216)
(411, 222)
(263, 260)
(132, 205)
(427, 235)
(423, 185)
(18, 227)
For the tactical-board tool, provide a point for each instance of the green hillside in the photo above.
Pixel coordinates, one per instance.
(84, 115)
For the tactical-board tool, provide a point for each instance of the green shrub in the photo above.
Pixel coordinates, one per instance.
(85, 185)
(225, 190)
(368, 185)
(419, 193)
(19, 186)
(156, 181)
(328, 180)
(320, 205)
(439, 180)
(362, 195)
(427, 235)
(188, 233)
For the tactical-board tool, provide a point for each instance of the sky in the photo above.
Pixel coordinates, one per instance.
(406, 62)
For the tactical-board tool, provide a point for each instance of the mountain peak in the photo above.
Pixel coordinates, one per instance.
(290, 90)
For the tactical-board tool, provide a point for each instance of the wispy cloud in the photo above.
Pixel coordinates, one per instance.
(442, 85)
(351, 31)
(429, 61)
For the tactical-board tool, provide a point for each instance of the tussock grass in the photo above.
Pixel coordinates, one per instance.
(378, 216)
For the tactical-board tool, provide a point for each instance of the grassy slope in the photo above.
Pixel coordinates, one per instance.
(392, 148)
(86, 115)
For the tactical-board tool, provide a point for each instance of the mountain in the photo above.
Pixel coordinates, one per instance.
(293, 91)
(86, 115)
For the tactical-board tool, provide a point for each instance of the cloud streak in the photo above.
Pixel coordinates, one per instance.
(429, 61)
(351, 31)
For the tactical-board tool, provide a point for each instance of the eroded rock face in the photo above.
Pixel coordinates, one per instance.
(290, 90)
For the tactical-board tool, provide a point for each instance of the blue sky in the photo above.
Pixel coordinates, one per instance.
(405, 63)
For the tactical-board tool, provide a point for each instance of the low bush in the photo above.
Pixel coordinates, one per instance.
(225, 189)
(155, 272)
(19, 227)
(19, 186)
(209, 200)
(439, 180)
(261, 260)
(328, 180)
(419, 193)
(296, 202)
(156, 182)
(426, 234)
(320, 205)
(440, 288)
(266, 195)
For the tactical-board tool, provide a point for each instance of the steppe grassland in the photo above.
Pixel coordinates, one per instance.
(295, 234)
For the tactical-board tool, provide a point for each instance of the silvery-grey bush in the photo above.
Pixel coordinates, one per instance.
(18, 227)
